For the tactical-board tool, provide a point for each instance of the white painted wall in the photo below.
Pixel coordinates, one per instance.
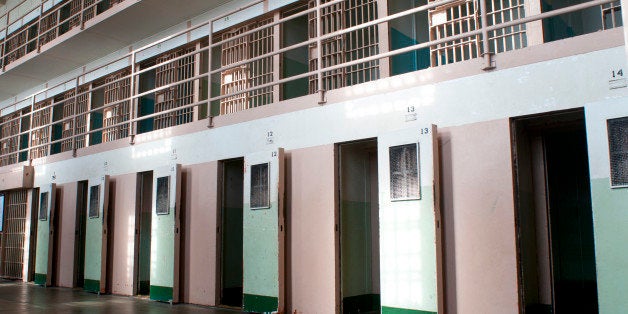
(546, 86)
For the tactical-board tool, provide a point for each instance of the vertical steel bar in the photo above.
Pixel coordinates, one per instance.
(486, 52)
(319, 57)
(133, 101)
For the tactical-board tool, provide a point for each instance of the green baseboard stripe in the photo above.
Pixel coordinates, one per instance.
(159, 293)
(361, 303)
(394, 310)
(91, 285)
(259, 303)
(40, 279)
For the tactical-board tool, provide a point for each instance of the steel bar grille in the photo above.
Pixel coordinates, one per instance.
(9, 143)
(118, 87)
(177, 95)
(249, 75)
(15, 46)
(508, 38)
(42, 135)
(48, 28)
(89, 12)
(611, 15)
(14, 226)
(348, 47)
(454, 19)
(72, 106)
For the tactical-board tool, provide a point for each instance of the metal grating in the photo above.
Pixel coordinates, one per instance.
(404, 172)
(174, 96)
(454, 19)
(508, 38)
(260, 192)
(89, 12)
(162, 207)
(48, 28)
(618, 146)
(347, 47)
(13, 234)
(611, 15)
(10, 138)
(118, 87)
(94, 201)
(74, 105)
(250, 75)
(43, 206)
(15, 46)
(41, 136)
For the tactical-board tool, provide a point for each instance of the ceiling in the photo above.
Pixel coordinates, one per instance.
(122, 28)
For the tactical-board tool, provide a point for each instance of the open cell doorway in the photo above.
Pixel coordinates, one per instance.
(231, 233)
(554, 215)
(359, 227)
(143, 238)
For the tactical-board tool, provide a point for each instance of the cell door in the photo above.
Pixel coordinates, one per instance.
(165, 234)
(409, 218)
(44, 258)
(97, 235)
(607, 143)
(263, 232)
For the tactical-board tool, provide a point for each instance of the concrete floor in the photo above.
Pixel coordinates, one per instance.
(19, 297)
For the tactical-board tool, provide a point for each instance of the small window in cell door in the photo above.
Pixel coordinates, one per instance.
(618, 151)
(404, 172)
(163, 196)
(43, 206)
(260, 186)
(94, 201)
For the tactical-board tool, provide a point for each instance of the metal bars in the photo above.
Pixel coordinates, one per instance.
(40, 126)
(177, 95)
(343, 62)
(117, 88)
(450, 20)
(51, 24)
(10, 139)
(13, 234)
(507, 38)
(350, 46)
(74, 105)
(611, 15)
(252, 74)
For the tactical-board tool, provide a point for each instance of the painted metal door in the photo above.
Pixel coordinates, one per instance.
(165, 234)
(45, 235)
(263, 219)
(97, 235)
(607, 143)
(409, 218)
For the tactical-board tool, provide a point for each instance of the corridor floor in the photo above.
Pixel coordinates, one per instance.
(19, 297)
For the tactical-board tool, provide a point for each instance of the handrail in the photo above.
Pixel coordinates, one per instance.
(134, 94)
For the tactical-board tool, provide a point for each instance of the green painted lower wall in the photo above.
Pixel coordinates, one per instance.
(90, 285)
(261, 251)
(40, 279)
(259, 303)
(159, 293)
(610, 230)
(394, 310)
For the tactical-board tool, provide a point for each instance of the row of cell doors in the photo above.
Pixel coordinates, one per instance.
(386, 226)
(395, 208)
(155, 239)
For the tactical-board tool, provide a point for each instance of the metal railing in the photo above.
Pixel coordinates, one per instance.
(186, 76)
(49, 24)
